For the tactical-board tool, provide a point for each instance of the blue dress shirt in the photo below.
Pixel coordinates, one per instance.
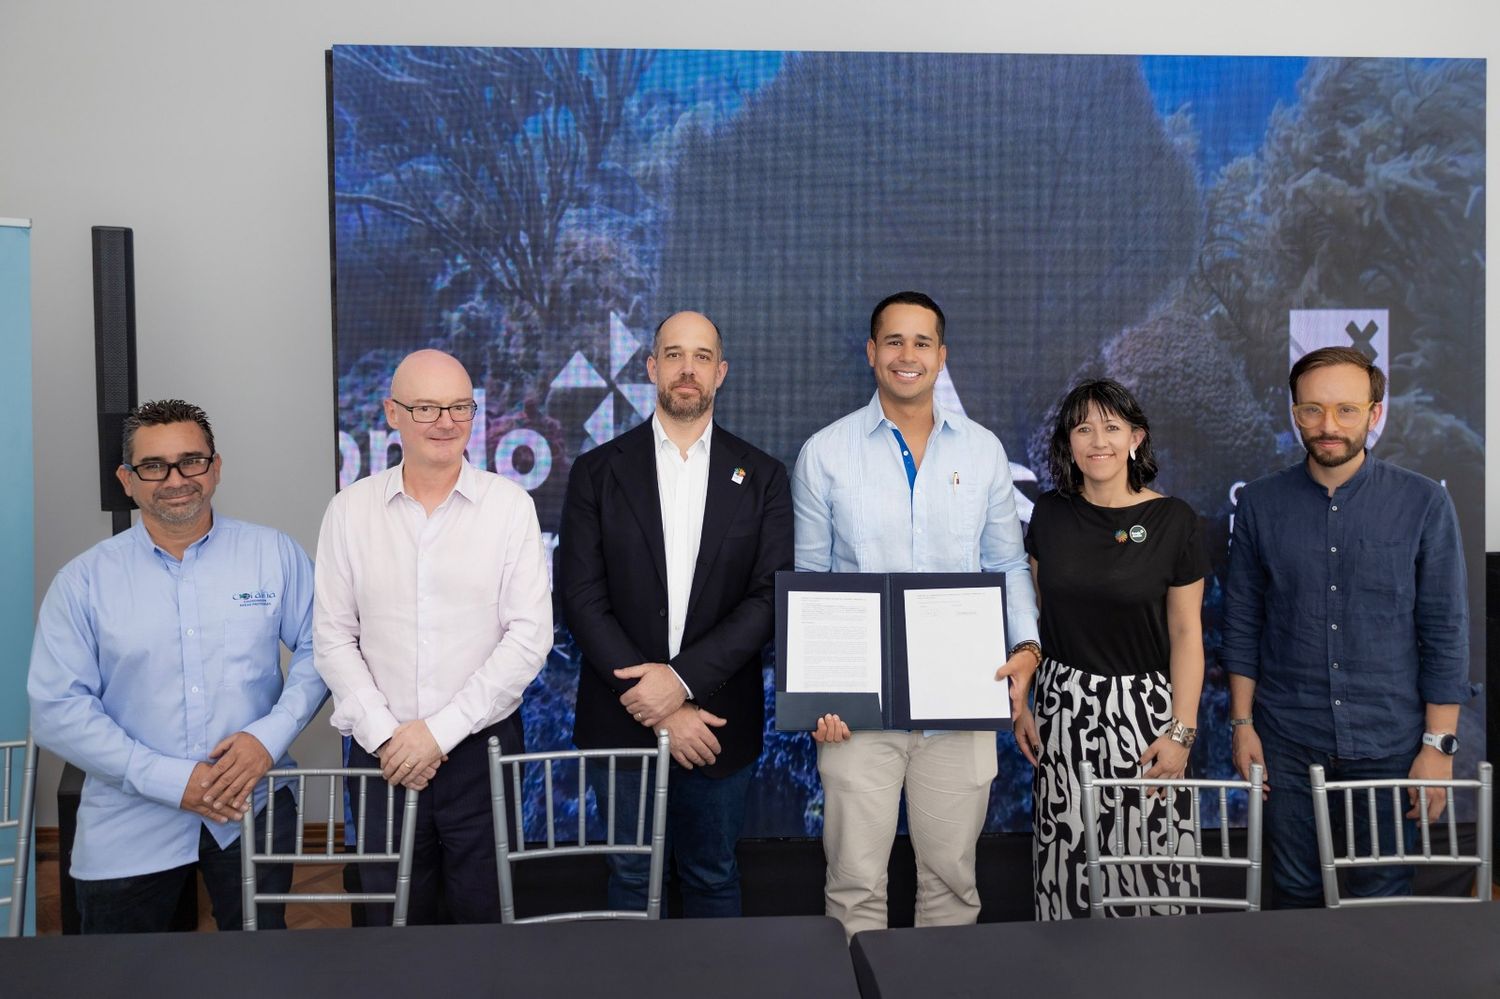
(857, 511)
(1349, 611)
(142, 664)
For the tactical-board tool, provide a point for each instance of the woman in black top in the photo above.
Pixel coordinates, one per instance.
(1119, 575)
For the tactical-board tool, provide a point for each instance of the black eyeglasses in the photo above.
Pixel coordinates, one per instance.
(158, 471)
(462, 412)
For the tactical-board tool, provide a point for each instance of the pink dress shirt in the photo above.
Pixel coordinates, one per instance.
(445, 618)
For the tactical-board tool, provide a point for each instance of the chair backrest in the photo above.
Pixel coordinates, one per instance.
(1367, 793)
(639, 782)
(17, 795)
(1122, 800)
(255, 851)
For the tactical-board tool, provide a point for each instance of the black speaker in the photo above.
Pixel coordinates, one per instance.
(114, 357)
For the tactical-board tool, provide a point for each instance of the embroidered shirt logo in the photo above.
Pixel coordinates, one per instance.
(259, 598)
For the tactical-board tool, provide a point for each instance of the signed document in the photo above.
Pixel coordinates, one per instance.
(955, 640)
(833, 642)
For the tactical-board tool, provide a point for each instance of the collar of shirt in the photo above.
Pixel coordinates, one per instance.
(1348, 489)
(659, 433)
(874, 417)
(144, 539)
(467, 485)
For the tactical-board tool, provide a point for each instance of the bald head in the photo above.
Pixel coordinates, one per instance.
(427, 371)
(686, 323)
(430, 378)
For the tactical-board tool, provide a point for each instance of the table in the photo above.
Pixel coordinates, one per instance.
(753, 958)
(1443, 951)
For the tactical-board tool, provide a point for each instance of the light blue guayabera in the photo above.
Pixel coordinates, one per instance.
(17, 550)
(142, 664)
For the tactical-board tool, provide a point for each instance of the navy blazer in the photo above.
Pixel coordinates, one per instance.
(611, 575)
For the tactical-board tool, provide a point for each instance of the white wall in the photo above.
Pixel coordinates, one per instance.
(200, 123)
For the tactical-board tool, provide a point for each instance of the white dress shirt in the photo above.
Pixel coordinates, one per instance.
(444, 617)
(682, 484)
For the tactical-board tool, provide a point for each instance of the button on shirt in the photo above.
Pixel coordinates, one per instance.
(682, 484)
(444, 617)
(857, 511)
(1349, 611)
(142, 664)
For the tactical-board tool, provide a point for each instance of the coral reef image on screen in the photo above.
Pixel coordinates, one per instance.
(1184, 225)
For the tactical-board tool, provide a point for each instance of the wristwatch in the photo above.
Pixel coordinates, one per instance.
(1444, 742)
(1180, 733)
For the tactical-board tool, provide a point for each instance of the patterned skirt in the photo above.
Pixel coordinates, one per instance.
(1108, 721)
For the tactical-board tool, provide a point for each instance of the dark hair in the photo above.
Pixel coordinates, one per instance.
(1326, 356)
(908, 298)
(1113, 399)
(656, 335)
(159, 413)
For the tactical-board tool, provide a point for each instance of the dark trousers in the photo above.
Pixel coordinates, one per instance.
(145, 903)
(704, 818)
(1293, 839)
(453, 877)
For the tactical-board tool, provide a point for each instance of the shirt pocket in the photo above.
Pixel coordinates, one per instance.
(965, 522)
(1386, 570)
(252, 654)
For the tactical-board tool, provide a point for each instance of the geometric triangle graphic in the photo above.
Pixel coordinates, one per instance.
(578, 373)
(622, 345)
(642, 398)
(601, 424)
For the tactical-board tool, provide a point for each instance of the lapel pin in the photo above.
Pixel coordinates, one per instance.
(738, 476)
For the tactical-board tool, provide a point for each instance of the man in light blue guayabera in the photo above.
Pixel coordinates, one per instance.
(157, 669)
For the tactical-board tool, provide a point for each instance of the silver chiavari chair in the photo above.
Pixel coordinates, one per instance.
(256, 851)
(640, 783)
(17, 796)
(1113, 795)
(1369, 791)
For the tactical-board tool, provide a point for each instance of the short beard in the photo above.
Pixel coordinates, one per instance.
(171, 515)
(1352, 449)
(687, 412)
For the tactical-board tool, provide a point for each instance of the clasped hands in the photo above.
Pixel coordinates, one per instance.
(223, 788)
(658, 701)
(411, 756)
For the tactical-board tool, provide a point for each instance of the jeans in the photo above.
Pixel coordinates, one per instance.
(1293, 838)
(704, 818)
(145, 903)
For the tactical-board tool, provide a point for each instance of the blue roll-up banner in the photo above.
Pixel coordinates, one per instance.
(17, 549)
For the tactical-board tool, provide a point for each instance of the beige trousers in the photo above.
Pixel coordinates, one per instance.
(947, 780)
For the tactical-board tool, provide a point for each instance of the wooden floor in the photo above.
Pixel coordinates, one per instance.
(298, 917)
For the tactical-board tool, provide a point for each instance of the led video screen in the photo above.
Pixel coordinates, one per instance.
(1185, 225)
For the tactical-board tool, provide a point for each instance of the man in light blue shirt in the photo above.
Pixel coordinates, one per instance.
(157, 670)
(903, 486)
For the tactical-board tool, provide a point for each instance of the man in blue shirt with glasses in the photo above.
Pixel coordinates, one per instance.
(1346, 627)
(156, 669)
(904, 485)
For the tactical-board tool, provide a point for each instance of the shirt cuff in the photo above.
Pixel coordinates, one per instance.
(1240, 668)
(1436, 691)
(164, 779)
(275, 734)
(374, 728)
(449, 727)
(685, 688)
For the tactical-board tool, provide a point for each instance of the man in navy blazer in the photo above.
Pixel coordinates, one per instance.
(672, 534)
